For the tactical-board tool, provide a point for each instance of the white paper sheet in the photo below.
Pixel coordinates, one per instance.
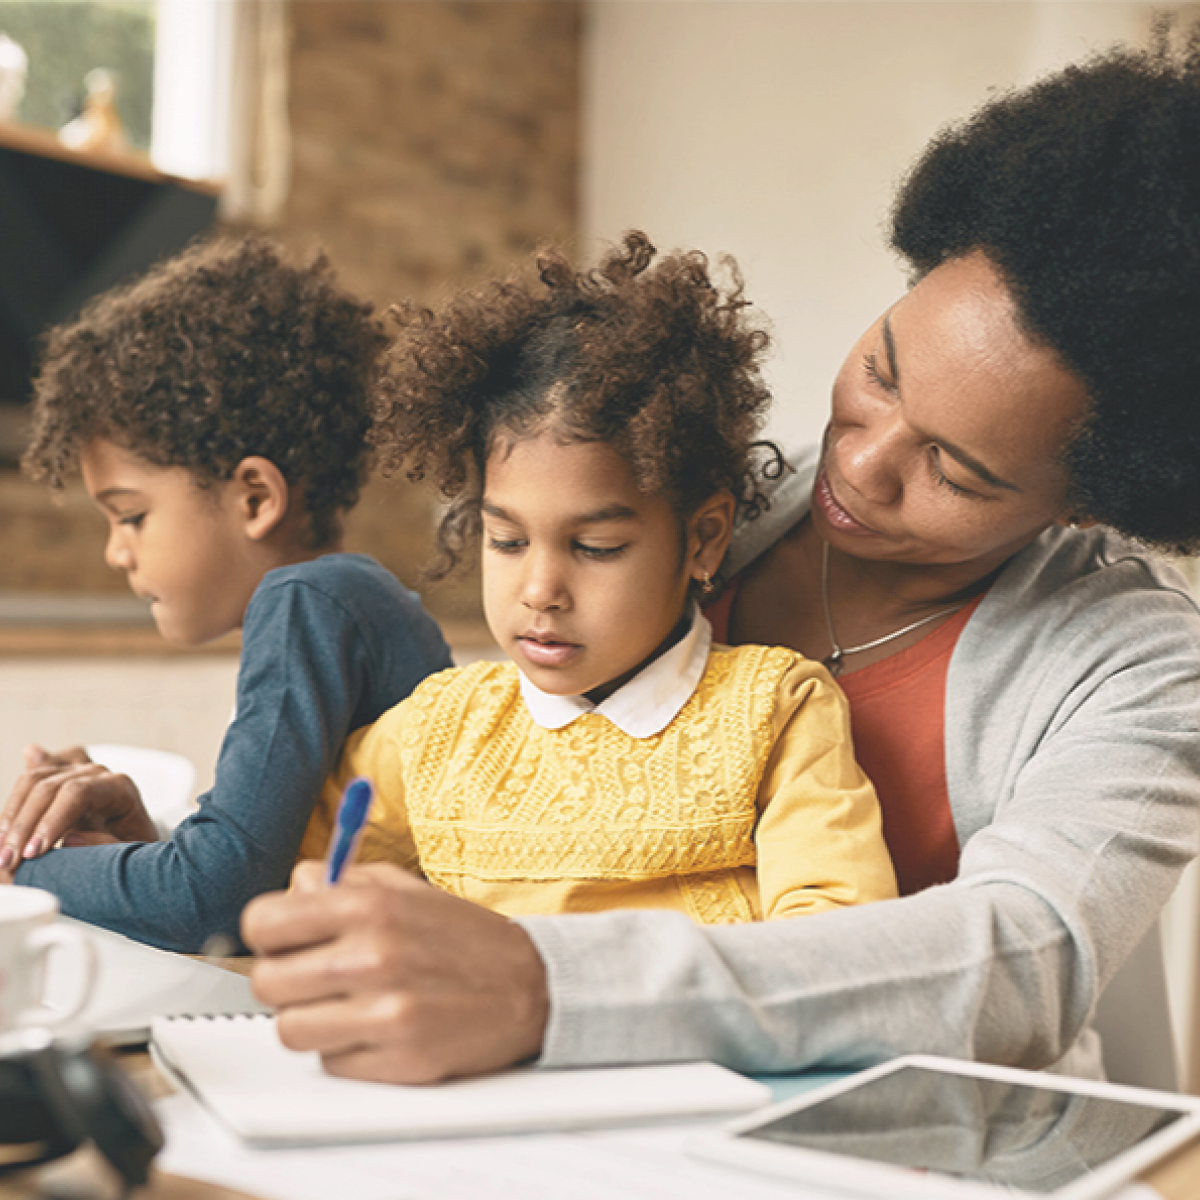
(646, 1163)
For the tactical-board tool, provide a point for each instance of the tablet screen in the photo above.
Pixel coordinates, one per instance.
(1035, 1138)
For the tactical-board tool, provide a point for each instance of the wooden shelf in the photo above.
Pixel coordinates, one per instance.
(31, 139)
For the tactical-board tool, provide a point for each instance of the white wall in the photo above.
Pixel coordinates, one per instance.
(776, 131)
(180, 704)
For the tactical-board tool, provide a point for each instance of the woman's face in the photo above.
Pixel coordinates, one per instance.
(947, 428)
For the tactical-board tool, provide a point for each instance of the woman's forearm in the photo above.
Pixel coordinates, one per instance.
(983, 972)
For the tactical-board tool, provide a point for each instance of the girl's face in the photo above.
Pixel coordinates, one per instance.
(584, 576)
(946, 431)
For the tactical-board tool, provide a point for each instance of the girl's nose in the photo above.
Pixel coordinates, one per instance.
(543, 587)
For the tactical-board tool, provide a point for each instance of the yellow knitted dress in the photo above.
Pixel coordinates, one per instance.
(749, 804)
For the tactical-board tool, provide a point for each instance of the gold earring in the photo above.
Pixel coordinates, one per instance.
(707, 587)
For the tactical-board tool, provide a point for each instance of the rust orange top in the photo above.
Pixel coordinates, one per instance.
(897, 715)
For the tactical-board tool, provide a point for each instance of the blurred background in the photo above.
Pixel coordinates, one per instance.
(429, 143)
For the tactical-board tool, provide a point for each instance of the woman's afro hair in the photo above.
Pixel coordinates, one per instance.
(1084, 191)
(225, 351)
(652, 357)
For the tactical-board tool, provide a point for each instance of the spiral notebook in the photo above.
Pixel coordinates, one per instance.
(271, 1096)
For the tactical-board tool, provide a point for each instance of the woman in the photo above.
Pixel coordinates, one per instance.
(1025, 682)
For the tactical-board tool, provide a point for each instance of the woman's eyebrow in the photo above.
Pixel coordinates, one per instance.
(973, 464)
(889, 348)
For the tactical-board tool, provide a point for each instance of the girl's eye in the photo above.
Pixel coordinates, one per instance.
(942, 480)
(505, 545)
(134, 520)
(600, 553)
(871, 367)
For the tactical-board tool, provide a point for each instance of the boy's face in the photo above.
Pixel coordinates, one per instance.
(182, 547)
(583, 575)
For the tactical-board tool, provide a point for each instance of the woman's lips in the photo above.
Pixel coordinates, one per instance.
(832, 511)
(545, 652)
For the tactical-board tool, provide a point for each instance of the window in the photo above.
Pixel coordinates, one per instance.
(63, 42)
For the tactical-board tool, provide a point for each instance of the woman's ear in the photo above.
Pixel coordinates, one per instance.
(261, 493)
(709, 529)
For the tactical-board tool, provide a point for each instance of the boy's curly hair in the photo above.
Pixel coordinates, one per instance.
(1084, 190)
(650, 356)
(224, 351)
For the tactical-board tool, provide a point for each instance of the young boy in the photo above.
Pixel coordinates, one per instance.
(219, 411)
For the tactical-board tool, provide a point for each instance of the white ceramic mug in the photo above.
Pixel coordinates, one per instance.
(27, 935)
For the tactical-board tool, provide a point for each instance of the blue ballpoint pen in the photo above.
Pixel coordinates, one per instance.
(351, 817)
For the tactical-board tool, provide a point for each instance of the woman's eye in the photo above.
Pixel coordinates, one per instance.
(942, 480)
(134, 520)
(504, 545)
(600, 552)
(871, 367)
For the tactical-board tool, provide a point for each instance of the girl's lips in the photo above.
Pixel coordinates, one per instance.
(832, 511)
(547, 654)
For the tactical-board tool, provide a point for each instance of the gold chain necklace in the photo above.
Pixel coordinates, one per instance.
(834, 661)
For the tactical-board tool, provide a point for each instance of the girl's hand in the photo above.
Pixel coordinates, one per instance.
(67, 796)
(392, 979)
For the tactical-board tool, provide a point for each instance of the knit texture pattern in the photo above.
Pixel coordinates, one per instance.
(747, 805)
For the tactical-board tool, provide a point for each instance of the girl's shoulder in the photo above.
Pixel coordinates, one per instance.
(483, 681)
(741, 676)
(751, 656)
(447, 698)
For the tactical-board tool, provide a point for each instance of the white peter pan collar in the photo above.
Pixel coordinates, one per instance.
(648, 703)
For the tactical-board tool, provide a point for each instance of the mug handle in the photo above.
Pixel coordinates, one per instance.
(45, 939)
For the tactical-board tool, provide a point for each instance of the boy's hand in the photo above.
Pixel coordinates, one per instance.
(70, 797)
(394, 980)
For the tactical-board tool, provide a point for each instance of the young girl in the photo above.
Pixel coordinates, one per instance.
(600, 433)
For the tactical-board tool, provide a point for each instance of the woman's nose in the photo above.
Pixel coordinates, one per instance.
(870, 458)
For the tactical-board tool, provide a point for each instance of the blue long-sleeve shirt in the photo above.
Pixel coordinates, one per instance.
(327, 646)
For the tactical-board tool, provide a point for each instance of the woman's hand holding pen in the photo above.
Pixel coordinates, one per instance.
(67, 796)
(394, 980)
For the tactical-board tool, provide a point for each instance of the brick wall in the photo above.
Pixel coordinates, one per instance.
(434, 143)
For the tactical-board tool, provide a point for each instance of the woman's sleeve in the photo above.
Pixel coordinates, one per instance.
(819, 839)
(1005, 964)
(305, 661)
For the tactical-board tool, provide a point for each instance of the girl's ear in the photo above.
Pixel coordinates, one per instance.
(709, 529)
(261, 493)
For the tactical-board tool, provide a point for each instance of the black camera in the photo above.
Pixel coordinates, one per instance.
(57, 1094)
